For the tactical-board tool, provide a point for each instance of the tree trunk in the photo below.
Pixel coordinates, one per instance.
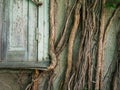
(84, 46)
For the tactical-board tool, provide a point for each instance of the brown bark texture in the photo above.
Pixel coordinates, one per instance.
(79, 31)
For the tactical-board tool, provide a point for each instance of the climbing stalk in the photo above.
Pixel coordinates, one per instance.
(62, 39)
(52, 36)
(71, 42)
(98, 84)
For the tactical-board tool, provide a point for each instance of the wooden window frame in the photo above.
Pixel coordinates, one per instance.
(43, 60)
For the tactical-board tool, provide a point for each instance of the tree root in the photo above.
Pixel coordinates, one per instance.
(52, 36)
(71, 42)
(98, 84)
(60, 45)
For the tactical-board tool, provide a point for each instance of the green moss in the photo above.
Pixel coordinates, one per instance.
(112, 4)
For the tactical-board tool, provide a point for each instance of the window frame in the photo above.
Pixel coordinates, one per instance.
(42, 61)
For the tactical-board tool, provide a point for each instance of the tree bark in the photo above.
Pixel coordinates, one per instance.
(80, 41)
